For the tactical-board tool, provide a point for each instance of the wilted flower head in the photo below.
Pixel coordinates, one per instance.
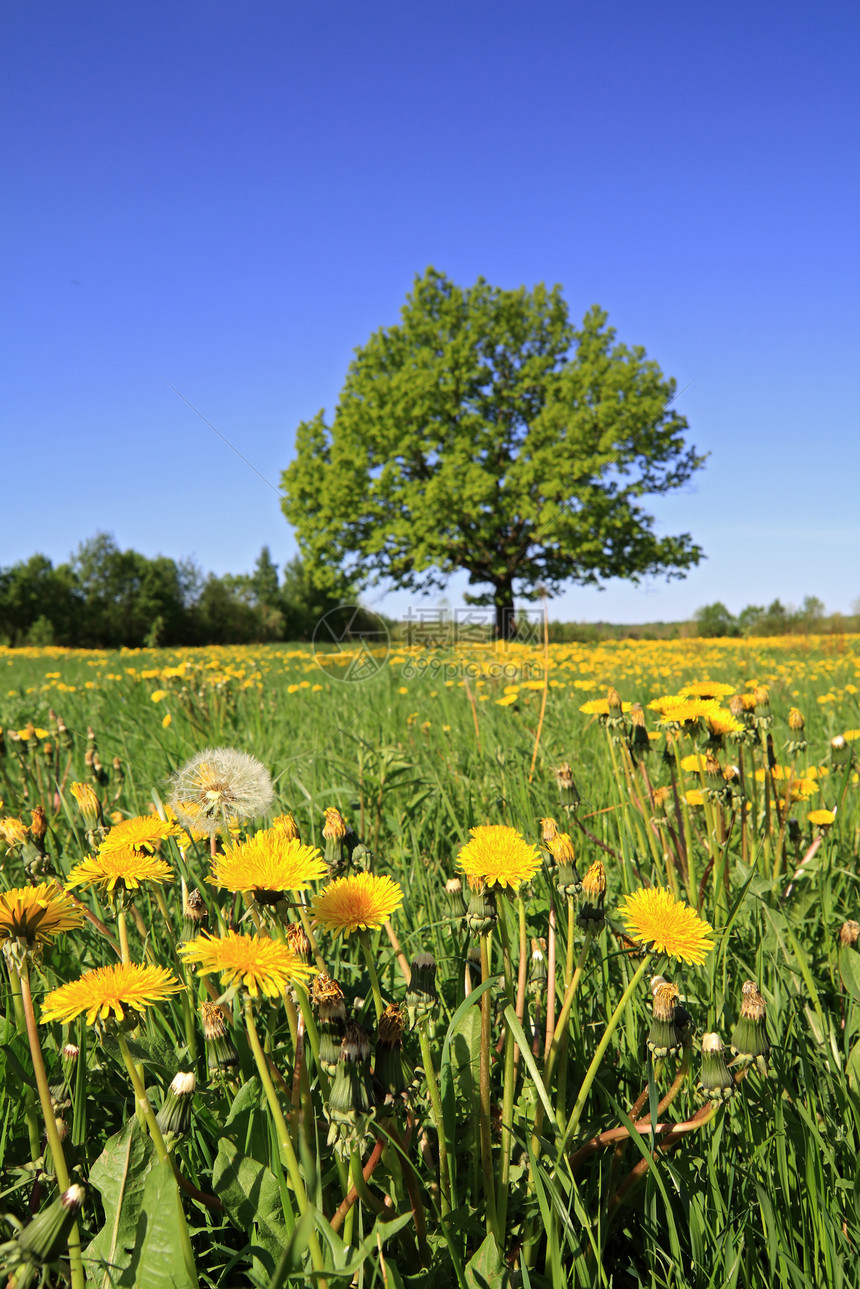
(218, 784)
(849, 933)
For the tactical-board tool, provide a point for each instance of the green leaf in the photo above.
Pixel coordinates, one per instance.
(162, 1256)
(252, 1198)
(849, 970)
(486, 1268)
(119, 1175)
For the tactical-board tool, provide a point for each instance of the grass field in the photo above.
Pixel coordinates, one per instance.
(514, 1159)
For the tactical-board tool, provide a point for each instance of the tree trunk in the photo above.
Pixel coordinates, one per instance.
(506, 623)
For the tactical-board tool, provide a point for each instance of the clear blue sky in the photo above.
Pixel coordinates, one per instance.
(231, 197)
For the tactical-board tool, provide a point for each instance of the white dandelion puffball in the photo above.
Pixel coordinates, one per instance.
(218, 785)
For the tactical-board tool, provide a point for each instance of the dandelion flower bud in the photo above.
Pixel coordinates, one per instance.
(390, 1071)
(481, 915)
(613, 699)
(795, 721)
(849, 933)
(287, 825)
(297, 940)
(43, 1240)
(840, 750)
(349, 1109)
(328, 996)
(590, 916)
(567, 789)
(763, 716)
(567, 879)
(715, 1081)
(38, 825)
(640, 743)
(664, 1037)
(750, 1034)
(221, 1051)
(194, 912)
(456, 903)
(538, 971)
(175, 1114)
(548, 830)
(422, 999)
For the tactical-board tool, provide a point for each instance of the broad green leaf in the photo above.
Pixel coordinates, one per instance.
(163, 1257)
(251, 1196)
(486, 1268)
(119, 1175)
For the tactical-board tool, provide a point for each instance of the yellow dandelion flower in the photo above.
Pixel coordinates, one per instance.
(37, 914)
(261, 965)
(498, 855)
(125, 868)
(709, 689)
(696, 761)
(268, 864)
(822, 818)
(720, 722)
(143, 834)
(600, 707)
(361, 902)
(694, 797)
(656, 918)
(110, 989)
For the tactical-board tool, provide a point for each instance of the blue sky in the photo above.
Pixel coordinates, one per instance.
(231, 197)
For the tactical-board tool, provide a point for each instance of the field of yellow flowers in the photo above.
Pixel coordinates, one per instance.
(390, 965)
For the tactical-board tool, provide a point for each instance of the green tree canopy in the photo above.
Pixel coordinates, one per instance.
(486, 432)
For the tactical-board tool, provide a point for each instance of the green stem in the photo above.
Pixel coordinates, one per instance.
(374, 978)
(436, 1107)
(568, 959)
(486, 1137)
(591, 1072)
(510, 1080)
(285, 1141)
(60, 1168)
(143, 1102)
(122, 927)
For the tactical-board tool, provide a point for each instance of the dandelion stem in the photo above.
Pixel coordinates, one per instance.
(486, 1138)
(122, 928)
(436, 1108)
(591, 1072)
(374, 977)
(60, 1167)
(284, 1139)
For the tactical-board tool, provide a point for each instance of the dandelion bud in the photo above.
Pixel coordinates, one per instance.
(390, 1071)
(360, 856)
(715, 1081)
(640, 743)
(567, 789)
(567, 879)
(538, 971)
(64, 735)
(849, 933)
(287, 825)
(548, 830)
(763, 716)
(750, 1034)
(194, 912)
(88, 804)
(39, 825)
(43, 1240)
(481, 915)
(795, 721)
(422, 1000)
(664, 1036)
(456, 903)
(840, 750)
(220, 1049)
(328, 996)
(613, 699)
(590, 916)
(175, 1114)
(298, 941)
(349, 1109)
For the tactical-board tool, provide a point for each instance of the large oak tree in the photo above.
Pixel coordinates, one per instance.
(486, 432)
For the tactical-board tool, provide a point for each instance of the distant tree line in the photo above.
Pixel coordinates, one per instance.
(106, 598)
(775, 620)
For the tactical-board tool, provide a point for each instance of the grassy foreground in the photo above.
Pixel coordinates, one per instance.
(537, 1140)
